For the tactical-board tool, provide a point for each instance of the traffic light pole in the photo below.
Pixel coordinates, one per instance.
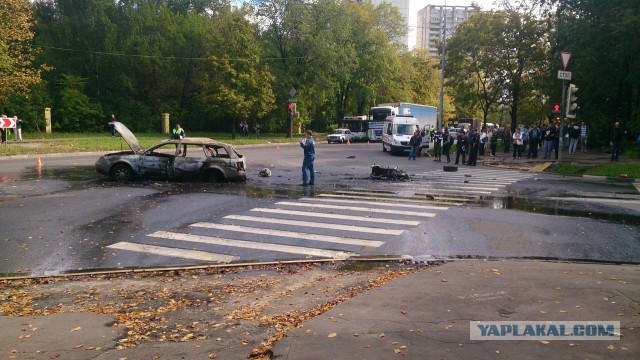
(564, 89)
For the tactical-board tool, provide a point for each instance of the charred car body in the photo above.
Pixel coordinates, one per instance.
(185, 159)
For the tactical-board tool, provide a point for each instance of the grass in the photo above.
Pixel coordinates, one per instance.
(631, 170)
(610, 170)
(72, 142)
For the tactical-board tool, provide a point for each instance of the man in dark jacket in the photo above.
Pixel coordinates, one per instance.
(474, 142)
(461, 147)
(616, 141)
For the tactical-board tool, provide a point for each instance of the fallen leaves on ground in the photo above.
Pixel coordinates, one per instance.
(150, 307)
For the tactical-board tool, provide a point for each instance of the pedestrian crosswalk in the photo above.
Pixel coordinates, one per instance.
(331, 225)
(468, 181)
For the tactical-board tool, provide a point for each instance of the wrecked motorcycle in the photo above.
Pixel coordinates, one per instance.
(387, 173)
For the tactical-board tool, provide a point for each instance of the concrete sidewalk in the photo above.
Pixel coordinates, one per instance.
(427, 315)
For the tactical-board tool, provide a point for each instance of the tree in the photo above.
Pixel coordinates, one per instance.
(17, 71)
(475, 68)
(237, 84)
(75, 111)
(603, 37)
(524, 47)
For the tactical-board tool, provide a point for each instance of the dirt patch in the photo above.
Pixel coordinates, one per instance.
(223, 313)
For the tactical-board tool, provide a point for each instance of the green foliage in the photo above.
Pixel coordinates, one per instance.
(603, 37)
(76, 112)
(17, 69)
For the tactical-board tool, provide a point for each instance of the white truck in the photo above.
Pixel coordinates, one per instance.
(425, 115)
(397, 132)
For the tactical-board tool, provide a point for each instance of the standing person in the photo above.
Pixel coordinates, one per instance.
(474, 143)
(414, 142)
(177, 132)
(447, 143)
(461, 146)
(517, 143)
(484, 140)
(437, 145)
(493, 142)
(548, 138)
(3, 135)
(556, 141)
(584, 131)
(574, 136)
(525, 138)
(422, 137)
(308, 172)
(18, 133)
(506, 138)
(113, 127)
(534, 138)
(616, 141)
(257, 129)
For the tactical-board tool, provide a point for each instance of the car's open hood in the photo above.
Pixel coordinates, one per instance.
(127, 135)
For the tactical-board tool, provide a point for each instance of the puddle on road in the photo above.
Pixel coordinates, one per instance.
(558, 207)
(72, 173)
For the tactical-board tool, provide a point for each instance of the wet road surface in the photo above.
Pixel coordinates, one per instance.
(64, 217)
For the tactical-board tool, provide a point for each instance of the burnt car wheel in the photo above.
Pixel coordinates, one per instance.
(121, 172)
(214, 176)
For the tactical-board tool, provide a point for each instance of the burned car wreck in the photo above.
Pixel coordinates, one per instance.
(186, 159)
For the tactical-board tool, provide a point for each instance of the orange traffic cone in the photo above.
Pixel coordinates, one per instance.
(368, 142)
(348, 142)
(38, 162)
(277, 146)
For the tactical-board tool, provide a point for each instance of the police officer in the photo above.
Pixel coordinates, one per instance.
(437, 145)
(474, 142)
(461, 146)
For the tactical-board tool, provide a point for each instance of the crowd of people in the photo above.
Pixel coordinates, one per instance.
(527, 141)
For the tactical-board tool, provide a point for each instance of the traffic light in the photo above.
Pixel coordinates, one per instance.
(556, 109)
(290, 109)
(572, 105)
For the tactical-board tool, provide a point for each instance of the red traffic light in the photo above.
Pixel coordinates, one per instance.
(290, 106)
(556, 108)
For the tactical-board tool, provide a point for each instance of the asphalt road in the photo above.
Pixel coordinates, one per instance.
(65, 217)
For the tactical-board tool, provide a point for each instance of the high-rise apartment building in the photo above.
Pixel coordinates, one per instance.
(409, 10)
(431, 20)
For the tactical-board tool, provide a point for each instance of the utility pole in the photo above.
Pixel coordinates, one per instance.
(442, 57)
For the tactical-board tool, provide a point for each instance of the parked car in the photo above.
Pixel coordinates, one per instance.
(185, 159)
(340, 136)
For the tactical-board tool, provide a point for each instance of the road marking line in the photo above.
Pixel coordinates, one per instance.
(355, 208)
(402, 200)
(173, 252)
(459, 186)
(337, 216)
(463, 191)
(254, 245)
(376, 203)
(291, 234)
(319, 225)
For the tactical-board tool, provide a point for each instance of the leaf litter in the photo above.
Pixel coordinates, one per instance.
(250, 306)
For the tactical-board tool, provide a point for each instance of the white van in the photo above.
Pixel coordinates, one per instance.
(397, 132)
